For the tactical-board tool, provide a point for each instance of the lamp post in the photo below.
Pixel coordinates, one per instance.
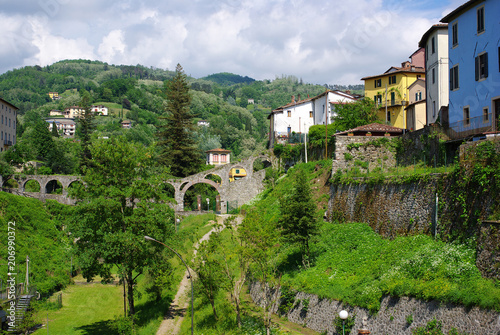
(147, 238)
(343, 315)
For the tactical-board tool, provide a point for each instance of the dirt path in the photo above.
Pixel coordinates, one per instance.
(171, 324)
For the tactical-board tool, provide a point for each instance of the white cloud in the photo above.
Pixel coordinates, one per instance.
(319, 41)
(52, 48)
(111, 46)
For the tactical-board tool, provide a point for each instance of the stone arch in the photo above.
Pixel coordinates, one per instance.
(10, 183)
(169, 189)
(54, 186)
(73, 183)
(214, 177)
(260, 163)
(183, 184)
(191, 203)
(32, 185)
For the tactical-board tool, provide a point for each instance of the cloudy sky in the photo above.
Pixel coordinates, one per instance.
(327, 41)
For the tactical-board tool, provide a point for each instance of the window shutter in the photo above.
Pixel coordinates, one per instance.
(486, 65)
(451, 79)
(477, 68)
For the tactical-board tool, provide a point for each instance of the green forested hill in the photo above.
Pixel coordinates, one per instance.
(137, 93)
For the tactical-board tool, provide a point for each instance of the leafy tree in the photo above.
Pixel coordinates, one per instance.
(355, 114)
(259, 247)
(298, 221)
(179, 150)
(235, 267)
(209, 269)
(42, 140)
(121, 202)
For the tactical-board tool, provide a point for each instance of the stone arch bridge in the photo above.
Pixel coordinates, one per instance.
(241, 190)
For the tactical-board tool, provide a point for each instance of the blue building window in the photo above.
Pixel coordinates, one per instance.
(482, 66)
(454, 84)
(454, 34)
(480, 19)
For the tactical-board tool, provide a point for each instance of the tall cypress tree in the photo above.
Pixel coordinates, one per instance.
(55, 133)
(86, 128)
(178, 147)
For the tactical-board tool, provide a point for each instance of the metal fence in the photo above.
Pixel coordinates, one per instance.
(470, 127)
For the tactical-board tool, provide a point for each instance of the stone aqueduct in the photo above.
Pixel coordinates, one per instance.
(242, 190)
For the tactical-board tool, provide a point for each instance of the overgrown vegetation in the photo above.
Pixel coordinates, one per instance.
(351, 263)
(39, 234)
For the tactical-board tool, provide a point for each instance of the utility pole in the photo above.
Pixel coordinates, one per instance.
(386, 118)
(305, 140)
(326, 125)
(27, 273)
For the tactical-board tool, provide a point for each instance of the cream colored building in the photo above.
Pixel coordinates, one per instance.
(435, 42)
(74, 112)
(218, 156)
(8, 113)
(416, 109)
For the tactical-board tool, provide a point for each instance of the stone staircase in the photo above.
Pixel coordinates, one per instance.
(22, 306)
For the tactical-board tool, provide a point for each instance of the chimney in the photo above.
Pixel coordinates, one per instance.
(298, 98)
(293, 98)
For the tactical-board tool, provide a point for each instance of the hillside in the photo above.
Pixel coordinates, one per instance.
(37, 230)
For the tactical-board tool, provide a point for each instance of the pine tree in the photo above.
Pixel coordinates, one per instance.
(298, 220)
(178, 147)
(86, 128)
(55, 133)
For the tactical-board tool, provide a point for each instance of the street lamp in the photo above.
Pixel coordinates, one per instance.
(343, 315)
(147, 238)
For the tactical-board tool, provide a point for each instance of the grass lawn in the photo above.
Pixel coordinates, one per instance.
(87, 309)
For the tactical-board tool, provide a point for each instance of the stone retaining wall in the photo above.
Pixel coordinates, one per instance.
(392, 317)
(390, 209)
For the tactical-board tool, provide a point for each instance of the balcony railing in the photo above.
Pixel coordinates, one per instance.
(7, 142)
(470, 127)
(391, 103)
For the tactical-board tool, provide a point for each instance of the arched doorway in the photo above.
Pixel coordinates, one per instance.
(32, 186)
(54, 187)
(202, 191)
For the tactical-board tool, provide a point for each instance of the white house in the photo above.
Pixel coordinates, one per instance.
(435, 42)
(65, 126)
(100, 110)
(298, 116)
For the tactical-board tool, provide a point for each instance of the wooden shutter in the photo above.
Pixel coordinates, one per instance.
(476, 62)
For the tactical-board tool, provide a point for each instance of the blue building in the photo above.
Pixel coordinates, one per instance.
(474, 66)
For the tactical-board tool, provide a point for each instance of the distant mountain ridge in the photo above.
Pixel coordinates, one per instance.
(228, 79)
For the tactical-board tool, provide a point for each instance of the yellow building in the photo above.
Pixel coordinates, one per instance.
(390, 90)
(237, 173)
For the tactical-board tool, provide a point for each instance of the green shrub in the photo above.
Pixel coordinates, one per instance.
(347, 325)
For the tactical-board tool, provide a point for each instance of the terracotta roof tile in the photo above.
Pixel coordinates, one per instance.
(373, 127)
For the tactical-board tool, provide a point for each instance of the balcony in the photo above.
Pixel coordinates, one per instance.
(391, 103)
(470, 127)
(7, 142)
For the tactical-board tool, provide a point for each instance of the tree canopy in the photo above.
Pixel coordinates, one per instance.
(121, 202)
(352, 115)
